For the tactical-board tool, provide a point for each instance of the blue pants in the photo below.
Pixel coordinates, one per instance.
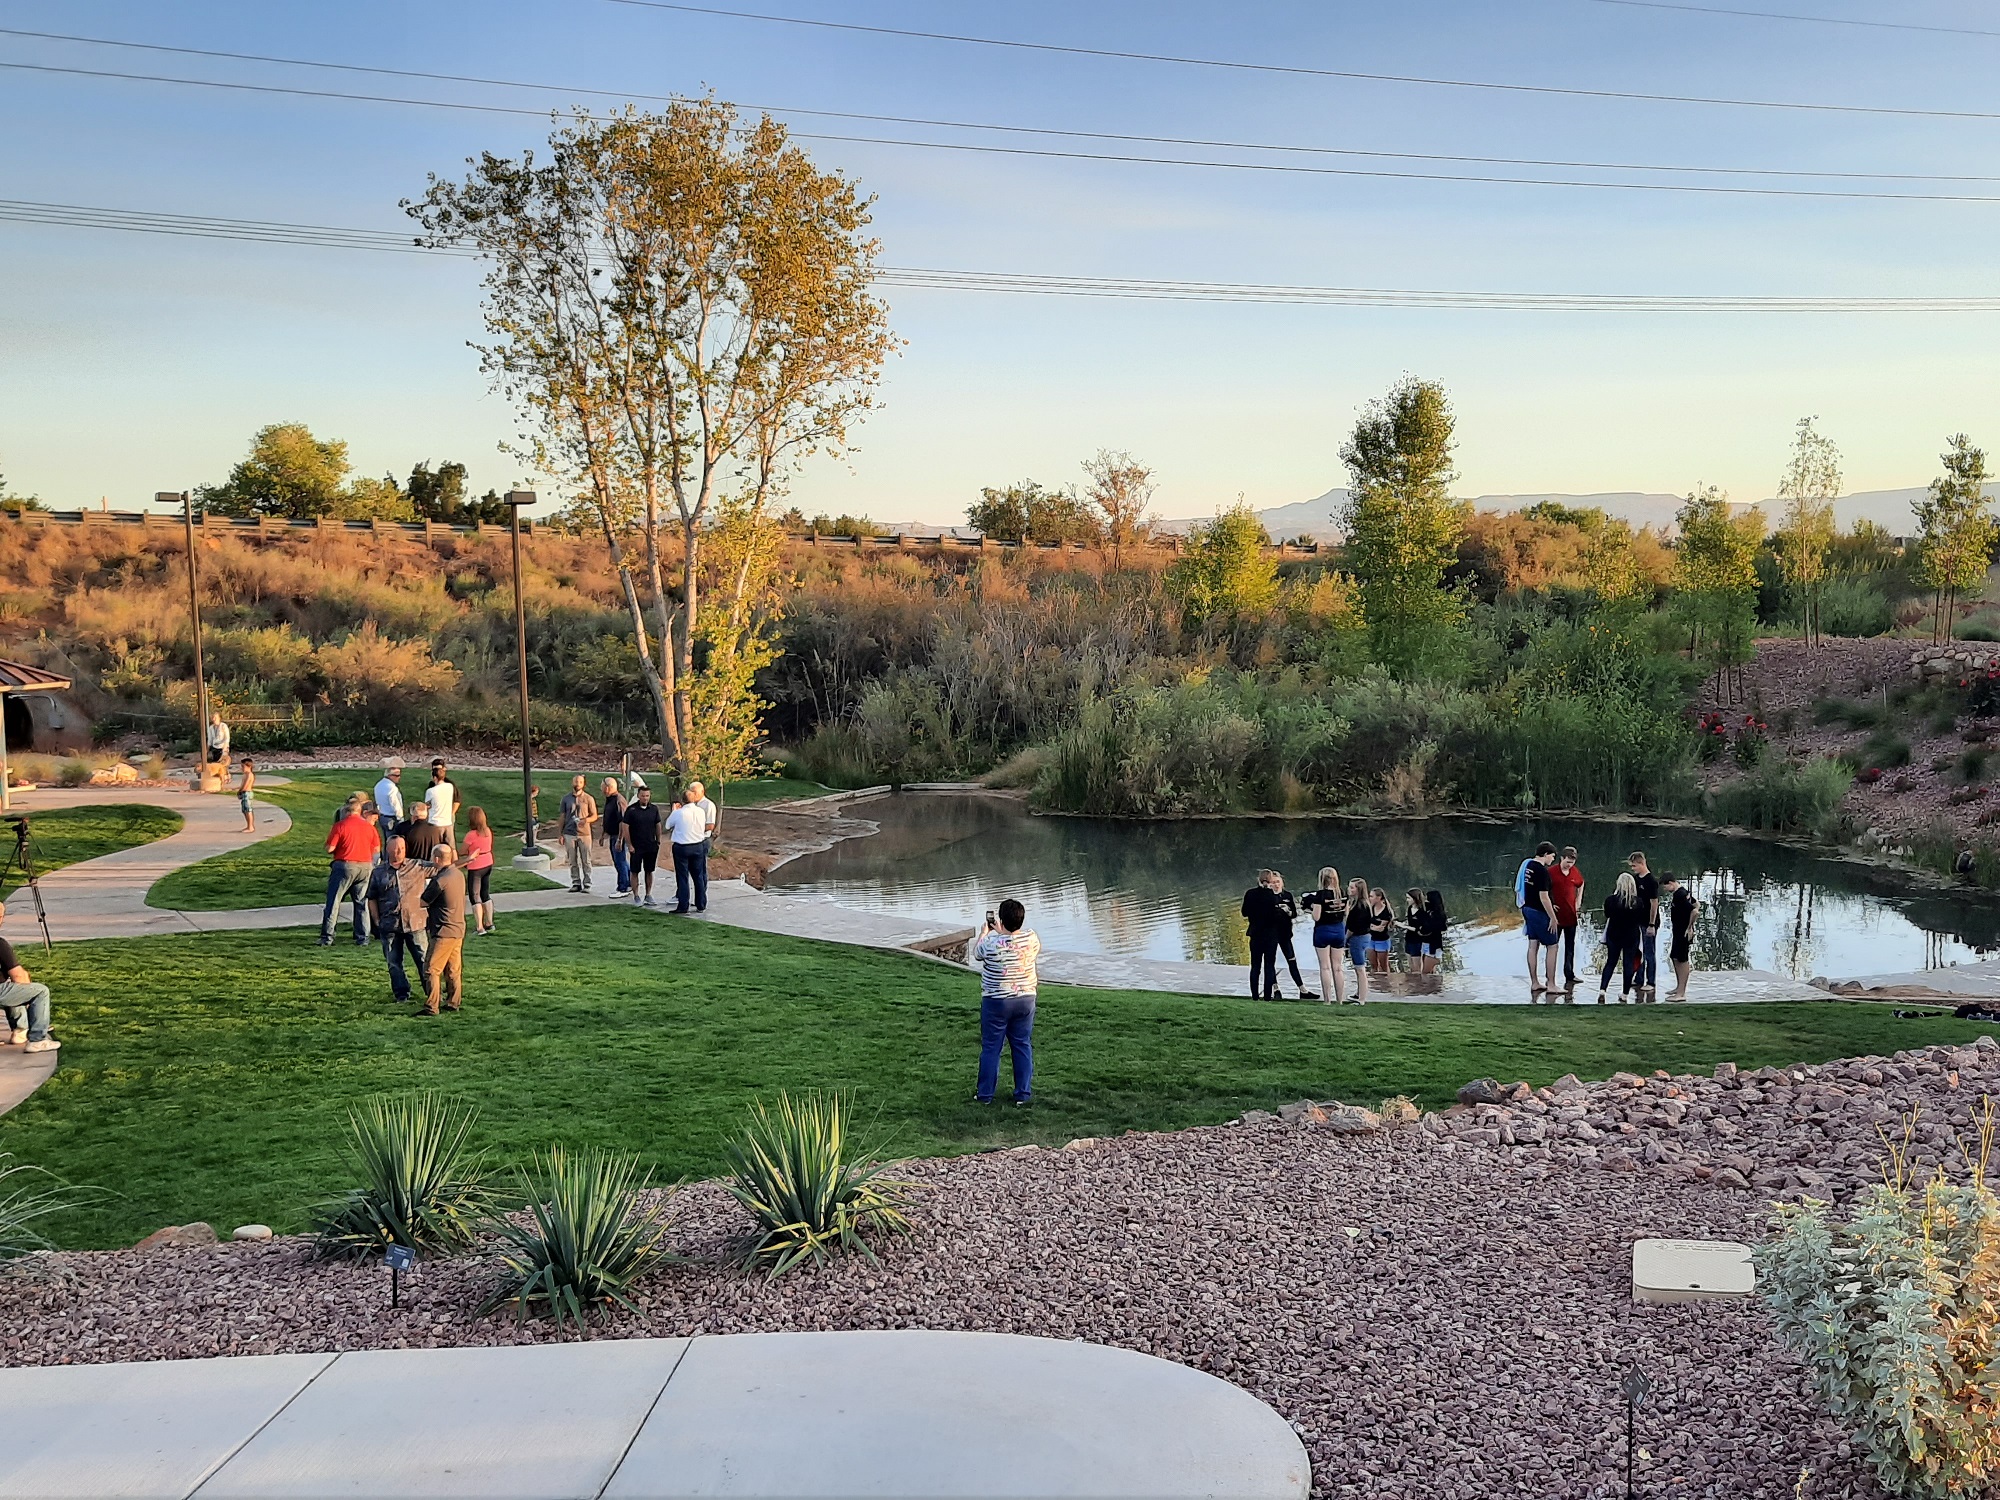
(621, 865)
(1008, 1018)
(1649, 963)
(394, 946)
(27, 1007)
(690, 868)
(347, 881)
(1624, 961)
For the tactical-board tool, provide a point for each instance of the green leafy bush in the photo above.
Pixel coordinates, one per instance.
(1780, 797)
(589, 1237)
(422, 1185)
(792, 1169)
(1885, 749)
(1854, 607)
(1896, 1312)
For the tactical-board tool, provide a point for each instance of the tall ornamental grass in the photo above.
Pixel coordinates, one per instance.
(590, 1235)
(1781, 797)
(421, 1183)
(29, 1194)
(795, 1171)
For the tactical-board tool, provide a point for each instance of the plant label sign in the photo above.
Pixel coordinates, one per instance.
(399, 1257)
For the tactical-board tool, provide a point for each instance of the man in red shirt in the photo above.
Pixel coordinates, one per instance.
(1566, 894)
(354, 843)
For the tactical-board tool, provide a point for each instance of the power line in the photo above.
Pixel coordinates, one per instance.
(1037, 130)
(1299, 71)
(1282, 168)
(1779, 15)
(334, 237)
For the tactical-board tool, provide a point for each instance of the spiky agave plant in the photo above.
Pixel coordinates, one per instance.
(589, 1236)
(421, 1183)
(792, 1170)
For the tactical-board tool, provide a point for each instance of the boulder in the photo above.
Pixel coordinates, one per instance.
(1569, 1083)
(1725, 1070)
(1395, 1112)
(179, 1237)
(1730, 1177)
(1482, 1091)
(1350, 1119)
(1257, 1117)
(257, 1233)
(1082, 1143)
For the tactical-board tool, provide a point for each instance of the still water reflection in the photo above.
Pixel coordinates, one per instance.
(1170, 890)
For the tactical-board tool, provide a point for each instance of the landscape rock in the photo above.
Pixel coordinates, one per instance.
(179, 1237)
(1081, 1143)
(1350, 1119)
(255, 1233)
(1482, 1091)
(1397, 1112)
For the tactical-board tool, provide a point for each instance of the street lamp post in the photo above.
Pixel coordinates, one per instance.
(532, 855)
(185, 498)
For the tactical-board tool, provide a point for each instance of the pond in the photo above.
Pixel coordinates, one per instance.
(1170, 890)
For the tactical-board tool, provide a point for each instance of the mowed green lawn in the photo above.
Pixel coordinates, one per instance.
(291, 868)
(207, 1077)
(70, 835)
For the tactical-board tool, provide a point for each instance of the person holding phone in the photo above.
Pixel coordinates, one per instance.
(1006, 951)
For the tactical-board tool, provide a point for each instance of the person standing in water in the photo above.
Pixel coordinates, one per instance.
(1566, 897)
(1381, 929)
(1328, 907)
(1681, 908)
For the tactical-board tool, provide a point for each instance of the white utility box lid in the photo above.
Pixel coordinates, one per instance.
(1690, 1270)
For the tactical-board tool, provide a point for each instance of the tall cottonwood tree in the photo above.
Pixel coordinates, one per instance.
(681, 308)
(1403, 527)
(1811, 484)
(1955, 532)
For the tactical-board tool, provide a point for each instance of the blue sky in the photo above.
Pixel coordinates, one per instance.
(131, 363)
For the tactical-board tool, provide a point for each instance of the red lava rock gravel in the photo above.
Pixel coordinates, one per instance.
(1442, 1310)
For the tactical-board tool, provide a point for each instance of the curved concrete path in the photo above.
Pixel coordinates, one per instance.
(896, 1414)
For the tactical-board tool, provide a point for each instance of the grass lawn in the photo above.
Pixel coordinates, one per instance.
(70, 835)
(291, 868)
(207, 1077)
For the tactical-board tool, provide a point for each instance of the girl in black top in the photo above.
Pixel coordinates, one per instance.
(1290, 903)
(1624, 917)
(1357, 935)
(1328, 907)
(1381, 930)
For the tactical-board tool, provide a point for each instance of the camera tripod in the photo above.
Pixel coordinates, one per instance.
(23, 856)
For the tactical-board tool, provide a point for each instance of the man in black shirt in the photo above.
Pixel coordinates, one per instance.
(640, 828)
(1265, 915)
(1681, 907)
(420, 834)
(1538, 918)
(26, 1002)
(1649, 923)
(613, 809)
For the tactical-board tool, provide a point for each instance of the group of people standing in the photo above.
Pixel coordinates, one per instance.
(1549, 890)
(1354, 921)
(633, 832)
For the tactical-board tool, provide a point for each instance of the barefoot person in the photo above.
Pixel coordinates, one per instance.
(1381, 930)
(1681, 908)
(246, 790)
(1566, 896)
(1006, 952)
(1328, 907)
(1538, 916)
(26, 1002)
(1357, 934)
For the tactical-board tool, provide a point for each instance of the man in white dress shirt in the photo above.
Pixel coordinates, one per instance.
(688, 828)
(389, 798)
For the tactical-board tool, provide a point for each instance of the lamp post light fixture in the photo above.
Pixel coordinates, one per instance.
(185, 499)
(532, 855)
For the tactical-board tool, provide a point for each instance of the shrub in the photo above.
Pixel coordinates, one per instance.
(27, 1194)
(75, 771)
(1886, 748)
(792, 1170)
(421, 1184)
(1893, 1312)
(1972, 761)
(589, 1237)
(1779, 797)
(1855, 607)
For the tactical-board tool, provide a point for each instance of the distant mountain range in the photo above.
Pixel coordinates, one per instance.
(1315, 518)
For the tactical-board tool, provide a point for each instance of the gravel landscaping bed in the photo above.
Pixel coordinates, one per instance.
(1441, 1307)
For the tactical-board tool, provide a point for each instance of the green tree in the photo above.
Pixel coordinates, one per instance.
(1403, 528)
(14, 504)
(1026, 512)
(1715, 581)
(366, 499)
(1225, 572)
(674, 300)
(288, 473)
(738, 640)
(1812, 482)
(1955, 532)
(1120, 489)
(439, 495)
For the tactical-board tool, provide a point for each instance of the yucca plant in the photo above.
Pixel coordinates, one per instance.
(792, 1170)
(589, 1237)
(27, 1194)
(422, 1185)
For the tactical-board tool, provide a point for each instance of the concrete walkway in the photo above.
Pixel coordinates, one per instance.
(890, 1414)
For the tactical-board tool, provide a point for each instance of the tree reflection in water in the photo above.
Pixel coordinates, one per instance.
(1171, 889)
